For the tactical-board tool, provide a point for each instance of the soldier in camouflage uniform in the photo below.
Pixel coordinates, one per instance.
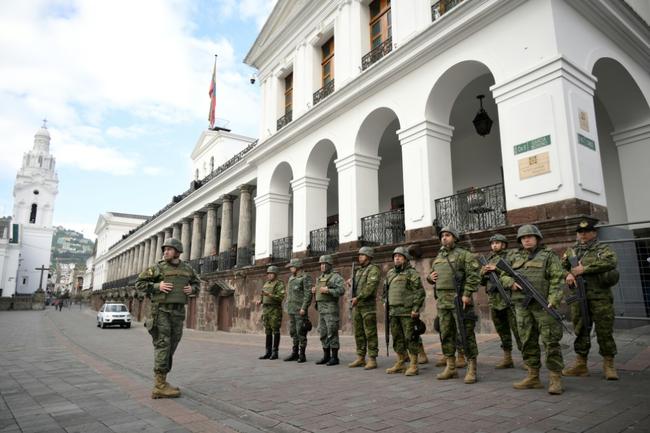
(272, 297)
(405, 300)
(298, 301)
(503, 315)
(452, 262)
(542, 267)
(168, 283)
(597, 265)
(329, 287)
(364, 316)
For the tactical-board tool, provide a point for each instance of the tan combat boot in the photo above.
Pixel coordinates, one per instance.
(371, 364)
(359, 362)
(422, 355)
(442, 361)
(470, 376)
(398, 367)
(609, 369)
(555, 383)
(531, 381)
(578, 369)
(507, 361)
(413, 366)
(161, 388)
(450, 370)
(460, 360)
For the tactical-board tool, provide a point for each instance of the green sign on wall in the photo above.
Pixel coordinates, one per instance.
(586, 142)
(532, 144)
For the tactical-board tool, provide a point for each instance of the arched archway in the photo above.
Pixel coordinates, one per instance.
(280, 201)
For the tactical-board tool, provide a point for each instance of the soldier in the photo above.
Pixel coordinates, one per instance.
(503, 315)
(364, 317)
(329, 287)
(542, 267)
(454, 262)
(597, 265)
(298, 301)
(272, 297)
(405, 300)
(168, 283)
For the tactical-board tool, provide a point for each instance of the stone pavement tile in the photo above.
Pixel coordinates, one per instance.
(73, 420)
(128, 427)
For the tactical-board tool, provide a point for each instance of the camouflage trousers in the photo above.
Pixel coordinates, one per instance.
(165, 324)
(533, 323)
(602, 314)
(328, 326)
(295, 325)
(365, 331)
(505, 324)
(401, 328)
(272, 319)
(449, 337)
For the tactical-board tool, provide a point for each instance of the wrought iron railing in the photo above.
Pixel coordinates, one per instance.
(476, 209)
(282, 121)
(383, 228)
(227, 259)
(324, 240)
(376, 53)
(245, 256)
(441, 7)
(210, 264)
(324, 92)
(121, 282)
(197, 265)
(282, 249)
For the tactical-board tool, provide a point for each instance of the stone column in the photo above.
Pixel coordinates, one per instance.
(211, 231)
(186, 238)
(160, 238)
(109, 270)
(226, 224)
(152, 249)
(168, 233)
(124, 266)
(245, 228)
(129, 263)
(272, 221)
(142, 264)
(309, 209)
(118, 270)
(195, 249)
(176, 231)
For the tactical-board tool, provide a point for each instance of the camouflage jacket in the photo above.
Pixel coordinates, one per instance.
(599, 262)
(299, 292)
(495, 300)
(404, 290)
(180, 275)
(467, 272)
(328, 303)
(366, 279)
(275, 290)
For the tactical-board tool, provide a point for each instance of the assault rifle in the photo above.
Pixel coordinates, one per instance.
(495, 282)
(461, 316)
(353, 293)
(386, 316)
(530, 292)
(581, 297)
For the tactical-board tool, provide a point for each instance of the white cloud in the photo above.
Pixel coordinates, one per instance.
(152, 171)
(94, 158)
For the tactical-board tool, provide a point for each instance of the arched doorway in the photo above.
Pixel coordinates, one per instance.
(281, 212)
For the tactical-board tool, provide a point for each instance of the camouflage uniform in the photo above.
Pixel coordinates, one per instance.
(364, 315)
(599, 262)
(503, 316)
(272, 306)
(299, 298)
(466, 265)
(544, 271)
(405, 295)
(328, 308)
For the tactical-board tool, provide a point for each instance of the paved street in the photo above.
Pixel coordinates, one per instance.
(59, 373)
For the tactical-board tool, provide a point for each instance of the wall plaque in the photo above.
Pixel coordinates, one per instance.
(586, 142)
(535, 165)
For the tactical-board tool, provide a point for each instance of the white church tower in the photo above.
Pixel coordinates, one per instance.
(34, 194)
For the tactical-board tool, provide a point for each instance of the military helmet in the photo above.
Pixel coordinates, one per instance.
(173, 243)
(294, 263)
(403, 252)
(419, 328)
(367, 251)
(499, 237)
(326, 259)
(272, 270)
(529, 229)
(586, 225)
(450, 230)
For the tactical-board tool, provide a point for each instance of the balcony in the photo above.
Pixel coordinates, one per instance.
(472, 210)
(324, 240)
(383, 228)
(284, 120)
(440, 8)
(227, 260)
(282, 249)
(324, 92)
(376, 54)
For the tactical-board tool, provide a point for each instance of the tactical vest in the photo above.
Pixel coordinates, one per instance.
(269, 287)
(360, 283)
(534, 270)
(180, 277)
(322, 282)
(445, 273)
(398, 291)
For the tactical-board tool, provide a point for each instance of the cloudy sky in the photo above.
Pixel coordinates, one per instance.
(124, 87)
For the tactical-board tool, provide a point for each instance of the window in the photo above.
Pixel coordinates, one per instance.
(32, 214)
(288, 93)
(380, 22)
(327, 63)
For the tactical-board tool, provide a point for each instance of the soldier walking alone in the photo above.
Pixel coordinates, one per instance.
(298, 301)
(168, 283)
(272, 297)
(329, 287)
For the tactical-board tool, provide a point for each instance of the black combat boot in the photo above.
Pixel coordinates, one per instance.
(294, 354)
(276, 346)
(335, 358)
(301, 357)
(326, 357)
(269, 341)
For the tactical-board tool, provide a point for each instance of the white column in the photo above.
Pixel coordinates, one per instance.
(197, 237)
(186, 238)
(347, 42)
(409, 18)
(633, 146)
(210, 248)
(300, 87)
(309, 208)
(426, 168)
(272, 221)
(358, 193)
